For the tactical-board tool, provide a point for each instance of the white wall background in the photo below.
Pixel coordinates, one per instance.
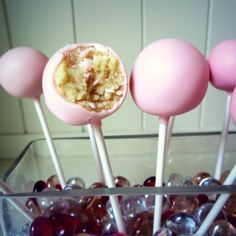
(125, 25)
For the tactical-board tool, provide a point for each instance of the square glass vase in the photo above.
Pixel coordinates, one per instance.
(130, 156)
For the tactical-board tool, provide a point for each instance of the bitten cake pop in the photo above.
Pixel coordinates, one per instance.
(83, 84)
(21, 72)
(169, 77)
(222, 63)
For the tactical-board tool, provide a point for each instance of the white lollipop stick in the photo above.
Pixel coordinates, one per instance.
(108, 174)
(96, 154)
(169, 131)
(50, 143)
(161, 149)
(17, 204)
(218, 205)
(168, 136)
(223, 139)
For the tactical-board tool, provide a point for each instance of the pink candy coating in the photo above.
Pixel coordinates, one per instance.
(21, 71)
(233, 106)
(68, 112)
(222, 62)
(169, 77)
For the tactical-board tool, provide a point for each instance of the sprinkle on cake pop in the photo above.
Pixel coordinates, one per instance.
(169, 77)
(21, 71)
(83, 84)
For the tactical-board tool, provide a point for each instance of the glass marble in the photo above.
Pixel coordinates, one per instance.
(104, 199)
(150, 182)
(210, 182)
(202, 198)
(166, 215)
(188, 181)
(97, 185)
(86, 223)
(182, 223)
(203, 211)
(109, 227)
(150, 203)
(63, 224)
(98, 210)
(186, 204)
(163, 232)
(230, 207)
(41, 226)
(39, 186)
(71, 187)
(60, 206)
(121, 181)
(132, 205)
(200, 176)
(45, 202)
(32, 205)
(113, 234)
(221, 228)
(53, 181)
(175, 180)
(143, 230)
(76, 181)
(142, 219)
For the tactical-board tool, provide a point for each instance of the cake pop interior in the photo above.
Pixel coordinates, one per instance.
(91, 77)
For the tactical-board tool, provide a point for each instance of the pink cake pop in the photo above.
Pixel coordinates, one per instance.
(222, 199)
(83, 84)
(222, 63)
(169, 77)
(21, 72)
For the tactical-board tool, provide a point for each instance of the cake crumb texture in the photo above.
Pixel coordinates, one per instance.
(90, 77)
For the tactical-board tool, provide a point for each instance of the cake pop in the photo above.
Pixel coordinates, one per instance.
(222, 63)
(83, 84)
(169, 77)
(21, 72)
(228, 181)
